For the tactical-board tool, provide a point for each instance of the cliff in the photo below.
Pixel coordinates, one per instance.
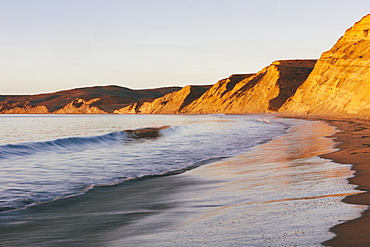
(339, 85)
(214, 95)
(265, 91)
(111, 98)
(80, 106)
(171, 103)
(22, 108)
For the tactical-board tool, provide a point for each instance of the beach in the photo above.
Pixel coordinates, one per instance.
(278, 193)
(353, 142)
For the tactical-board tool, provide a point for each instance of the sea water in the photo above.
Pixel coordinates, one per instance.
(44, 158)
(47, 160)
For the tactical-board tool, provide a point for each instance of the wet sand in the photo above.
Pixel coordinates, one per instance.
(354, 144)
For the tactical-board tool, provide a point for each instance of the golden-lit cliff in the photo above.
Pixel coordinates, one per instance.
(22, 107)
(265, 91)
(213, 95)
(171, 103)
(340, 82)
(80, 106)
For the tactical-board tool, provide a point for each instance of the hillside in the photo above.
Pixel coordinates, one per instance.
(109, 98)
(265, 91)
(171, 103)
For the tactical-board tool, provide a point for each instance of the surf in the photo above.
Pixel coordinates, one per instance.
(73, 143)
(38, 172)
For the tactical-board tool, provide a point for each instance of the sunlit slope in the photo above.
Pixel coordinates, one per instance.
(340, 82)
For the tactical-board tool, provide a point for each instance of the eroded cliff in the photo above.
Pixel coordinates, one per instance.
(81, 106)
(171, 103)
(23, 107)
(340, 82)
(265, 91)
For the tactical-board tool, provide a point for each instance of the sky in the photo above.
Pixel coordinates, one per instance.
(47, 45)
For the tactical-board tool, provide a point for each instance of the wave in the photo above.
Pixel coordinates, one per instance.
(25, 203)
(71, 143)
(186, 147)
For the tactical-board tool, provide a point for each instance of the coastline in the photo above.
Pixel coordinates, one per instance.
(353, 143)
(237, 201)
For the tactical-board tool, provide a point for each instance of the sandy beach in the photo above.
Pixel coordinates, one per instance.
(354, 148)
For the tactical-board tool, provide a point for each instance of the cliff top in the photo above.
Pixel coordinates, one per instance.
(360, 30)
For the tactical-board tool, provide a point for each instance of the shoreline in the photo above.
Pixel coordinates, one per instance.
(252, 198)
(169, 201)
(353, 143)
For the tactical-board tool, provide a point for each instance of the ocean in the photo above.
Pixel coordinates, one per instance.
(191, 180)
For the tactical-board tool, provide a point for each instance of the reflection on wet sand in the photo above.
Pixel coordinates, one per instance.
(279, 193)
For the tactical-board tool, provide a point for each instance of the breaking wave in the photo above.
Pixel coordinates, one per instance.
(70, 143)
(46, 171)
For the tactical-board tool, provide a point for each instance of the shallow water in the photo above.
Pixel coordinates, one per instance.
(278, 193)
(44, 158)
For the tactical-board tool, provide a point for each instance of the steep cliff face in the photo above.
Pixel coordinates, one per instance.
(80, 106)
(171, 103)
(213, 95)
(340, 82)
(265, 91)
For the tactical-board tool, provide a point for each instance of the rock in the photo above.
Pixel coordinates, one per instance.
(151, 132)
(80, 106)
(263, 92)
(209, 102)
(339, 85)
(22, 108)
(171, 103)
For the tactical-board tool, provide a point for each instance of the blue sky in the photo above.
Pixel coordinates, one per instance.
(47, 45)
